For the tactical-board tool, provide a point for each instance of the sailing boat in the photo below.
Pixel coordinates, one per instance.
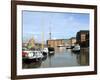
(47, 50)
(43, 50)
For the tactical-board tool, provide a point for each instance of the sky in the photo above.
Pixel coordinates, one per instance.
(62, 25)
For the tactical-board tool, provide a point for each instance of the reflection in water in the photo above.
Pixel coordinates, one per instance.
(83, 57)
(32, 65)
(62, 58)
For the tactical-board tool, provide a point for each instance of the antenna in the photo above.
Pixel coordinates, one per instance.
(50, 31)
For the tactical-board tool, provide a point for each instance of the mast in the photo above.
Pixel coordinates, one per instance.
(42, 34)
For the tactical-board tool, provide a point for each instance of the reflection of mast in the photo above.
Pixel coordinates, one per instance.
(50, 64)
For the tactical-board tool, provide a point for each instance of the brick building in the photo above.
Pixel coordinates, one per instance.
(55, 42)
(61, 42)
(82, 38)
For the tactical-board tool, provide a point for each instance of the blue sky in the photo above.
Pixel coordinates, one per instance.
(63, 25)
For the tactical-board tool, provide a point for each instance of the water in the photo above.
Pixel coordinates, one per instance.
(62, 58)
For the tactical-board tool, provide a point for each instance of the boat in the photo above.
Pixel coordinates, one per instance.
(32, 55)
(48, 51)
(45, 51)
(76, 48)
(51, 50)
(69, 47)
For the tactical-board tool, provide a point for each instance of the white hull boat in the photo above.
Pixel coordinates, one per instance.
(33, 55)
(76, 48)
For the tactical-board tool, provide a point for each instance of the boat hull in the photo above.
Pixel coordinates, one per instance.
(76, 51)
(29, 60)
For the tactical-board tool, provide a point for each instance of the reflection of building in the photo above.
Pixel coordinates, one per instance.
(83, 57)
(82, 38)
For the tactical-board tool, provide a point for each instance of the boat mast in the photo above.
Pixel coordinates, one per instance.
(42, 34)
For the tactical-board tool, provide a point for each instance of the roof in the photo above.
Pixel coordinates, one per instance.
(83, 31)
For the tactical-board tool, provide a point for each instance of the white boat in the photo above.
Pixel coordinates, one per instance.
(35, 55)
(45, 51)
(76, 48)
(48, 51)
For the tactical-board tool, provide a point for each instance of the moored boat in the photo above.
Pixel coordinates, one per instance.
(76, 48)
(51, 50)
(45, 51)
(32, 55)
